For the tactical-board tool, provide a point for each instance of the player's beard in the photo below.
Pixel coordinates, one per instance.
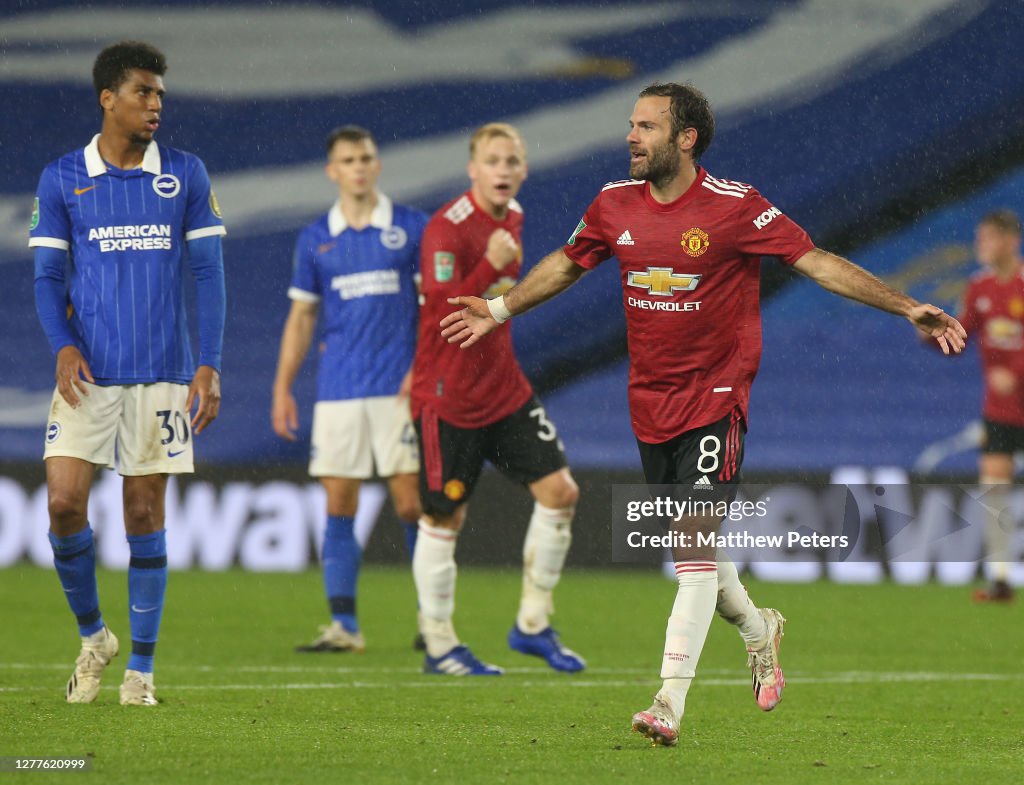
(139, 141)
(660, 166)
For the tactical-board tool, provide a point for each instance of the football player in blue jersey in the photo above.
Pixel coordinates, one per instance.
(116, 227)
(359, 264)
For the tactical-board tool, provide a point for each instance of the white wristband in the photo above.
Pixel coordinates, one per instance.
(499, 312)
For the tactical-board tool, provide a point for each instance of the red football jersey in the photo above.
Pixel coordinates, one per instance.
(994, 311)
(691, 289)
(473, 387)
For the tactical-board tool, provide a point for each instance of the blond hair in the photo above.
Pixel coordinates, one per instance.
(1006, 221)
(492, 130)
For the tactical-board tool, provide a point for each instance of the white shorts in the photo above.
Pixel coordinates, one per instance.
(350, 436)
(141, 429)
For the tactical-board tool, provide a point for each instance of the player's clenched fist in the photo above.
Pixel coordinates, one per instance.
(502, 249)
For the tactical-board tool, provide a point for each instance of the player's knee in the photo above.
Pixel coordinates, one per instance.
(408, 509)
(68, 512)
(558, 492)
(451, 521)
(142, 516)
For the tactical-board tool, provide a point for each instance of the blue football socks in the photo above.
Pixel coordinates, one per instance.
(341, 558)
(147, 581)
(74, 557)
(412, 530)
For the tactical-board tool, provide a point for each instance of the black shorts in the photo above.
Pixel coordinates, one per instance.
(1002, 438)
(523, 446)
(708, 458)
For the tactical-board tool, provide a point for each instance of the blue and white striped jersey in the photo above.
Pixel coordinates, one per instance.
(125, 232)
(365, 281)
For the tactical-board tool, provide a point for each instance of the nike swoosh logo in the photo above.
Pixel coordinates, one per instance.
(80, 191)
(174, 454)
(143, 610)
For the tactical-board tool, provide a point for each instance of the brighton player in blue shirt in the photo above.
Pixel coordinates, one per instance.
(359, 262)
(114, 228)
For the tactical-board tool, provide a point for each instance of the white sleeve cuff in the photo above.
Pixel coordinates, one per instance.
(49, 242)
(295, 293)
(207, 231)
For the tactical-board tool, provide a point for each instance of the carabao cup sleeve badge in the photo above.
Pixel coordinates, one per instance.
(444, 266)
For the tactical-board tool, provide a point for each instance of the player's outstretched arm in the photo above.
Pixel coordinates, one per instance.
(205, 389)
(555, 273)
(847, 279)
(295, 341)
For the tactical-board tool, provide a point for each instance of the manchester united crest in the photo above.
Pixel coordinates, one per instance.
(454, 489)
(695, 241)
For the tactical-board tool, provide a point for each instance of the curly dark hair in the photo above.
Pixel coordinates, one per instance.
(690, 109)
(113, 64)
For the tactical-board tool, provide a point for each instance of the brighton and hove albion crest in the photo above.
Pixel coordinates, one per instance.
(695, 241)
(393, 238)
(167, 185)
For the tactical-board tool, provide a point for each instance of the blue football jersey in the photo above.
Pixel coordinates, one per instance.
(125, 232)
(364, 281)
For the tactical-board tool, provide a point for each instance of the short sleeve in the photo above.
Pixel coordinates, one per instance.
(50, 226)
(763, 230)
(441, 255)
(587, 246)
(305, 285)
(202, 212)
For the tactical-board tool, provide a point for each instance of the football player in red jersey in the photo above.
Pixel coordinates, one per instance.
(477, 405)
(994, 311)
(689, 247)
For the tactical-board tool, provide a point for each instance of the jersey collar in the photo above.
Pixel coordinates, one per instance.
(95, 165)
(682, 199)
(381, 217)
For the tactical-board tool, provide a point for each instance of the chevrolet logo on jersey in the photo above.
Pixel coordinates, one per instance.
(663, 281)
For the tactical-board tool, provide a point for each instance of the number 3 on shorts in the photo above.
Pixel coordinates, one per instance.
(547, 432)
(709, 449)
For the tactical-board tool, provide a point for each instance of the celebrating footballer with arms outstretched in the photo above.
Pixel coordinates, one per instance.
(689, 247)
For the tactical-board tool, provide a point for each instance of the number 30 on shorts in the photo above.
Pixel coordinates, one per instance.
(174, 426)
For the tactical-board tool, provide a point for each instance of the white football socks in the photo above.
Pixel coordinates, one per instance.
(687, 629)
(997, 539)
(434, 571)
(735, 606)
(544, 549)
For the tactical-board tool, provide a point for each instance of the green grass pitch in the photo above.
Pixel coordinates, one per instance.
(885, 684)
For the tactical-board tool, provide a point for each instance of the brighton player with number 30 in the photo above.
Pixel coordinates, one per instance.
(131, 216)
(689, 247)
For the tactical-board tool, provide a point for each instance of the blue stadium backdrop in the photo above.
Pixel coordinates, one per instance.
(885, 129)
